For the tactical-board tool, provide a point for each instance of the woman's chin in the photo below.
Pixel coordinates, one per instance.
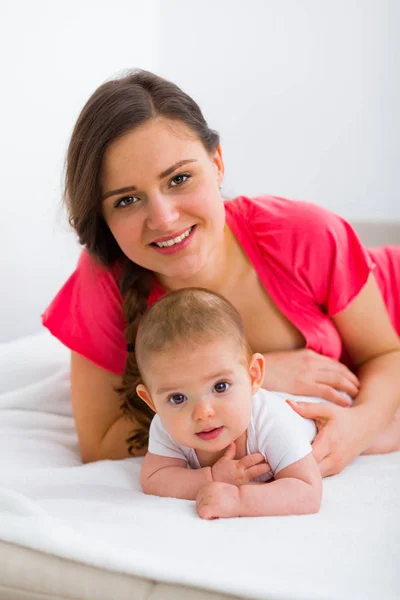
(181, 274)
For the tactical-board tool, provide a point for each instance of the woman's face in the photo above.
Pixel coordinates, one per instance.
(161, 198)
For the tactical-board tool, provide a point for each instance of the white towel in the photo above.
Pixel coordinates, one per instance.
(97, 514)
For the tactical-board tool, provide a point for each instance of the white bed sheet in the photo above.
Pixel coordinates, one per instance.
(96, 513)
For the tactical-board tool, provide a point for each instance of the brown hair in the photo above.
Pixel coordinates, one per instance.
(116, 107)
(193, 315)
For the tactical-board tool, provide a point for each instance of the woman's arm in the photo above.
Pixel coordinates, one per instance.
(374, 348)
(101, 426)
(297, 490)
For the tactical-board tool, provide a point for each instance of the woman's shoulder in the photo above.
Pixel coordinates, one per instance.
(282, 228)
(94, 272)
(274, 213)
(86, 314)
(304, 245)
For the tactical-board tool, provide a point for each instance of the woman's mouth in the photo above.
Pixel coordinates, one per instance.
(211, 434)
(174, 244)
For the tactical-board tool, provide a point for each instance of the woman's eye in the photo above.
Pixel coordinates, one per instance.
(127, 200)
(177, 399)
(179, 179)
(221, 386)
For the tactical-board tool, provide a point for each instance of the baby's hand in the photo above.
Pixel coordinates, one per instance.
(238, 472)
(218, 500)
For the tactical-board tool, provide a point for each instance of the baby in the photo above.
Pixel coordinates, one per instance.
(217, 436)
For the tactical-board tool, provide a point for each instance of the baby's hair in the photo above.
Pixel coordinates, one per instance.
(189, 315)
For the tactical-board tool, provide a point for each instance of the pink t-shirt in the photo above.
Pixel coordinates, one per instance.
(309, 260)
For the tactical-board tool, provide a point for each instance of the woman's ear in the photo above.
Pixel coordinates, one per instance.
(219, 164)
(144, 394)
(256, 371)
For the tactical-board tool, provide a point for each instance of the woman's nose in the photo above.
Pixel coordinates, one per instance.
(203, 410)
(162, 213)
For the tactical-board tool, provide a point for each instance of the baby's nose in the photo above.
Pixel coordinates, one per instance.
(203, 410)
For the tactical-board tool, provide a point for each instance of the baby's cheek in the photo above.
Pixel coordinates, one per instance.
(242, 422)
(177, 427)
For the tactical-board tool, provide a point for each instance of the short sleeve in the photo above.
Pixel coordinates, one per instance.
(282, 436)
(319, 248)
(86, 315)
(161, 443)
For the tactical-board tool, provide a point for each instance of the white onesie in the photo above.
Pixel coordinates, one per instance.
(275, 430)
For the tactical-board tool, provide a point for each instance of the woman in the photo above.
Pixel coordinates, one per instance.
(143, 193)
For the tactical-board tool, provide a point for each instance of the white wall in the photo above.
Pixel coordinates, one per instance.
(305, 94)
(54, 55)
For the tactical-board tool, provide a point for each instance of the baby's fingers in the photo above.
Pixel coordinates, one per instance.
(257, 470)
(206, 512)
(251, 459)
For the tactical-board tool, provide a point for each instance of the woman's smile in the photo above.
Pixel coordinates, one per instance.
(175, 243)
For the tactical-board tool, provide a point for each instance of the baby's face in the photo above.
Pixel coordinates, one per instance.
(202, 393)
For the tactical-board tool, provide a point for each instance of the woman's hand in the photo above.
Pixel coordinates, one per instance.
(307, 373)
(341, 437)
(238, 472)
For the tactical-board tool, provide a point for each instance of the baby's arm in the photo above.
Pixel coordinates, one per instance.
(170, 477)
(296, 490)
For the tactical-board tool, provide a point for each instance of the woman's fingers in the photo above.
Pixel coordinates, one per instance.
(328, 363)
(326, 467)
(337, 382)
(336, 374)
(321, 449)
(312, 410)
(327, 392)
(336, 379)
(305, 372)
(321, 446)
(330, 465)
(351, 377)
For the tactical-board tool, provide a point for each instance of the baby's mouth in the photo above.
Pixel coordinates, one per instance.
(210, 434)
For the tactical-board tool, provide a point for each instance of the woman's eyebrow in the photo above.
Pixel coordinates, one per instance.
(165, 173)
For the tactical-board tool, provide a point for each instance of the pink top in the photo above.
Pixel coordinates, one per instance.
(309, 260)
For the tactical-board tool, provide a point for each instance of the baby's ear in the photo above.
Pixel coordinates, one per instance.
(144, 394)
(256, 371)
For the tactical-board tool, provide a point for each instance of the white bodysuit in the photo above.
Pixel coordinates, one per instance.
(276, 430)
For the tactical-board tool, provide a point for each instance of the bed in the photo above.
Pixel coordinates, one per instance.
(74, 531)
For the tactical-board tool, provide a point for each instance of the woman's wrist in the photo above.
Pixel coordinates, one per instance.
(379, 396)
(367, 424)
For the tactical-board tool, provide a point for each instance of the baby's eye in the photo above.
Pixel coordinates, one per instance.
(179, 179)
(221, 386)
(127, 200)
(177, 399)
